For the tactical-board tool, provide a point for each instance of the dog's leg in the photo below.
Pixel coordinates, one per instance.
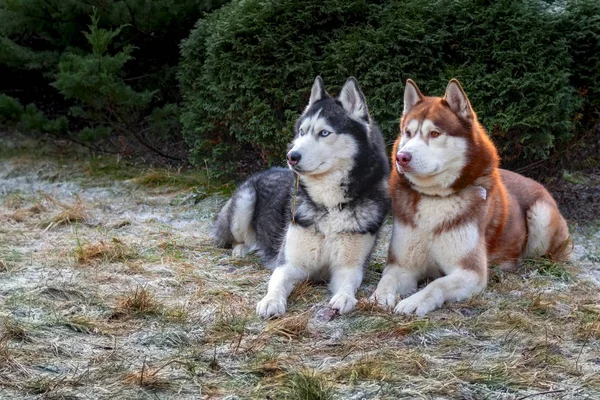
(347, 269)
(459, 285)
(244, 238)
(395, 280)
(461, 254)
(406, 264)
(344, 283)
(282, 282)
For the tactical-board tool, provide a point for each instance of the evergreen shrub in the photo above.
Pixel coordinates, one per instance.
(247, 68)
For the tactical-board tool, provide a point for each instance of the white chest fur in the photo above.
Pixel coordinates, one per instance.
(422, 244)
(317, 253)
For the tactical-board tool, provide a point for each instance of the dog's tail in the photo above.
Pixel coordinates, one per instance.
(220, 232)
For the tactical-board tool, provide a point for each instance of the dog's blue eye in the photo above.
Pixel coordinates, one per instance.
(325, 133)
(301, 132)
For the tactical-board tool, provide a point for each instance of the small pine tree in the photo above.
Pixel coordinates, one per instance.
(106, 105)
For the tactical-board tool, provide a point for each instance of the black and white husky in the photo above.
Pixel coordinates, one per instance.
(325, 226)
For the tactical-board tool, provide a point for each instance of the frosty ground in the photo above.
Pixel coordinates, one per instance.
(110, 288)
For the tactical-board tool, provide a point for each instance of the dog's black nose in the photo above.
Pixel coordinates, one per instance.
(293, 157)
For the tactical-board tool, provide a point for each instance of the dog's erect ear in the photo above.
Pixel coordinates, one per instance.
(412, 95)
(457, 100)
(353, 100)
(317, 92)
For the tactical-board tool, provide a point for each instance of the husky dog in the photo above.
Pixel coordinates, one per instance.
(323, 226)
(454, 210)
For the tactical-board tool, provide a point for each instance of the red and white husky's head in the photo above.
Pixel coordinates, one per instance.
(442, 148)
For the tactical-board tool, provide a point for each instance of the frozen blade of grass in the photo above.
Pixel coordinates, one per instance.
(63, 294)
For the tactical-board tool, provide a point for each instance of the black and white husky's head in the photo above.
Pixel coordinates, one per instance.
(330, 130)
(336, 137)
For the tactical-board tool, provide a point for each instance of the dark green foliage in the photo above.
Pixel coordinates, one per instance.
(102, 99)
(511, 60)
(246, 69)
(124, 81)
(581, 28)
(10, 109)
(33, 120)
(530, 67)
(29, 118)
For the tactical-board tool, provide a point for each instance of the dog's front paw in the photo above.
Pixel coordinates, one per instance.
(418, 304)
(270, 307)
(343, 302)
(383, 298)
(239, 250)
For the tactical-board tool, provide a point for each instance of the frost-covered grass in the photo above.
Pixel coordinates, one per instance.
(110, 288)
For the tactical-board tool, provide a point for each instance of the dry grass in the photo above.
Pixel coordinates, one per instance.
(231, 319)
(12, 330)
(290, 326)
(306, 385)
(160, 312)
(68, 214)
(22, 214)
(550, 268)
(138, 303)
(147, 378)
(586, 331)
(113, 251)
(159, 177)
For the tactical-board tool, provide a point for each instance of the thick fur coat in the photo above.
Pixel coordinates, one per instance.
(455, 212)
(325, 226)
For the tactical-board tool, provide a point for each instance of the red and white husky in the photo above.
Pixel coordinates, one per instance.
(454, 210)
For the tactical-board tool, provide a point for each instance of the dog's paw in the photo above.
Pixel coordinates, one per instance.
(418, 304)
(239, 250)
(343, 302)
(384, 299)
(270, 307)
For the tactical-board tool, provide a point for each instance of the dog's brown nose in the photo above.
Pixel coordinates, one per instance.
(293, 157)
(403, 158)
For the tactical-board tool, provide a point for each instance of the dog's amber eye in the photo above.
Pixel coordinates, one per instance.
(407, 133)
(434, 134)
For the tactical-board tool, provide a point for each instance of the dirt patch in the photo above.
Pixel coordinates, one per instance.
(578, 195)
(127, 298)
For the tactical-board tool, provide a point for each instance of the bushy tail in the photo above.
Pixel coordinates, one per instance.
(561, 248)
(548, 232)
(220, 231)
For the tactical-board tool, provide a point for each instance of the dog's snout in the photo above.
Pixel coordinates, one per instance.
(293, 157)
(403, 158)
